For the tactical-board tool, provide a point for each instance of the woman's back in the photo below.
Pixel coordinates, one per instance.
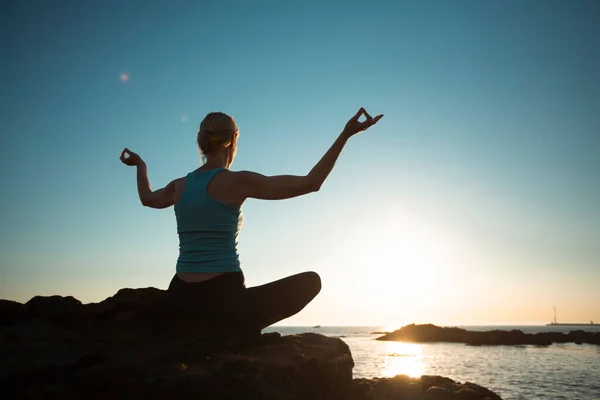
(208, 227)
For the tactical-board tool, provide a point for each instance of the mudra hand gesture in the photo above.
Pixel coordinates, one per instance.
(354, 126)
(132, 158)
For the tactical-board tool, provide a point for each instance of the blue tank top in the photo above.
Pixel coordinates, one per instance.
(207, 229)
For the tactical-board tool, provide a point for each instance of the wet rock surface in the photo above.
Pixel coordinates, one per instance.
(141, 344)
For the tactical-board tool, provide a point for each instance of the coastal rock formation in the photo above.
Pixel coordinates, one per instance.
(431, 333)
(138, 344)
(427, 387)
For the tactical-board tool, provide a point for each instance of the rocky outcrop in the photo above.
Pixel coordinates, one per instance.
(426, 387)
(139, 344)
(431, 333)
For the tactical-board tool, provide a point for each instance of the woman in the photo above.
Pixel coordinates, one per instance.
(208, 205)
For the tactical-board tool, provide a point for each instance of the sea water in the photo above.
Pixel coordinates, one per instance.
(560, 371)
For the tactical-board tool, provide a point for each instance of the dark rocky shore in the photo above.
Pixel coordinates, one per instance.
(431, 333)
(133, 345)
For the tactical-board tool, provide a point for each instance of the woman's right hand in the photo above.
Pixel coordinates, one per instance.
(130, 158)
(354, 126)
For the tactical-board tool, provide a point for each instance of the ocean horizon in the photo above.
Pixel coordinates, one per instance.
(523, 372)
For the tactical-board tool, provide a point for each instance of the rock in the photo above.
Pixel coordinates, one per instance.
(308, 365)
(140, 343)
(431, 333)
(427, 387)
(11, 312)
(436, 392)
(55, 308)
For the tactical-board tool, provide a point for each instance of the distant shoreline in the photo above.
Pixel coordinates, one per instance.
(429, 333)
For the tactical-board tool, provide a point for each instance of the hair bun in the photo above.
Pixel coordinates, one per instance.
(217, 130)
(220, 139)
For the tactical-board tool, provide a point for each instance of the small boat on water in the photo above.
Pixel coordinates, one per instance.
(556, 323)
(317, 327)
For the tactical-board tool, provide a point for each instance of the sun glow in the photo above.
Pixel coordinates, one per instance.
(403, 359)
(406, 260)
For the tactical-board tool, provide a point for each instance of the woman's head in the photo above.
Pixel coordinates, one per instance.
(218, 136)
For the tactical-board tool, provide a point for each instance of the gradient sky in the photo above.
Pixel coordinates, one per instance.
(476, 200)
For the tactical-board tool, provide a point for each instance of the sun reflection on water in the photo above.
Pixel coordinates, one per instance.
(403, 359)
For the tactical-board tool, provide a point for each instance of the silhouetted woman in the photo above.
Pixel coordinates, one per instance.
(208, 205)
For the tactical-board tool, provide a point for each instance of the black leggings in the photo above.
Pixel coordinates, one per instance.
(225, 299)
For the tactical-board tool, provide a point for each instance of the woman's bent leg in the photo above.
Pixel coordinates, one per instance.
(272, 302)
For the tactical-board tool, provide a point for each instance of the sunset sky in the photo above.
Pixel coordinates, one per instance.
(476, 200)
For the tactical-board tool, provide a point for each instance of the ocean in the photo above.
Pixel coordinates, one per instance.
(561, 371)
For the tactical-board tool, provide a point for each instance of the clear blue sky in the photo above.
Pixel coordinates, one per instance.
(475, 200)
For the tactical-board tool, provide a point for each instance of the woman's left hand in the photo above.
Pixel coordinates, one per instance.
(354, 126)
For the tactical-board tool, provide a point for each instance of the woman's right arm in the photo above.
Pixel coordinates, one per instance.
(280, 187)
